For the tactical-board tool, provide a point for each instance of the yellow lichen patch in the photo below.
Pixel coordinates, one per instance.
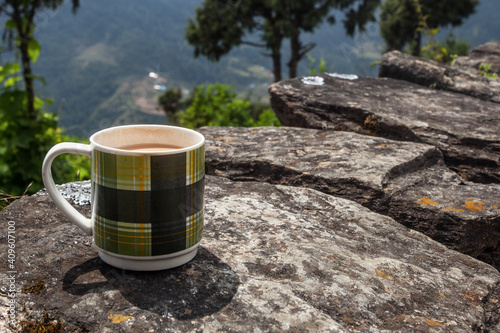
(426, 201)
(453, 209)
(441, 294)
(384, 275)
(370, 122)
(253, 132)
(382, 145)
(495, 207)
(118, 318)
(322, 134)
(431, 322)
(474, 205)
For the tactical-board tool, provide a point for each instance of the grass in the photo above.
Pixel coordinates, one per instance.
(6, 198)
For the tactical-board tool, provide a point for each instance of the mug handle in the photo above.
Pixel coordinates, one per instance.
(61, 148)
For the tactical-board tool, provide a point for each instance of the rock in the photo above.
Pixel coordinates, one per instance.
(431, 74)
(273, 258)
(340, 163)
(78, 192)
(488, 53)
(464, 216)
(464, 128)
(405, 180)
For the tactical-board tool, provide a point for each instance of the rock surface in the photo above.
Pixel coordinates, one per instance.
(429, 73)
(340, 163)
(405, 180)
(488, 53)
(273, 258)
(464, 128)
(462, 215)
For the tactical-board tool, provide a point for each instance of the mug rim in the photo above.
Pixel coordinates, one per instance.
(119, 151)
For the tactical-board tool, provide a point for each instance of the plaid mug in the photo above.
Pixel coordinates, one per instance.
(147, 194)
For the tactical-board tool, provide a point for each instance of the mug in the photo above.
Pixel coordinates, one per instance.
(147, 194)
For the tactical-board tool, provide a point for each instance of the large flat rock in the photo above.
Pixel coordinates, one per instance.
(463, 216)
(464, 128)
(405, 180)
(340, 163)
(273, 258)
(431, 74)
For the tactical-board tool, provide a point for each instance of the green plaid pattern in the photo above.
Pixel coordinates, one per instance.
(195, 165)
(123, 172)
(194, 228)
(148, 205)
(131, 239)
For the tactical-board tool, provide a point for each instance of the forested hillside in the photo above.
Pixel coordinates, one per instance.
(98, 61)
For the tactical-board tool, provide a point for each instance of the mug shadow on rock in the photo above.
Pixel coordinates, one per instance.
(200, 287)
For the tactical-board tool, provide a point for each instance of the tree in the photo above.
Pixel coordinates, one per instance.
(218, 27)
(170, 100)
(27, 131)
(402, 22)
(25, 141)
(19, 29)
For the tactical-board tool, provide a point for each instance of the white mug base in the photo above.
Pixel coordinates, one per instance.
(149, 263)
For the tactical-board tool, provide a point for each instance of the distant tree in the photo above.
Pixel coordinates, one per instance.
(402, 22)
(27, 131)
(19, 32)
(170, 100)
(218, 27)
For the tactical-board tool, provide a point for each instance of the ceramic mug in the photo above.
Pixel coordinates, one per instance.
(147, 203)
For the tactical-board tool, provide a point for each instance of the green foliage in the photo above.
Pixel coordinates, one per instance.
(398, 23)
(267, 118)
(34, 50)
(446, 51)
(456, 47)
(28, 132)
(402, 22)
(321, 67)
(217, 105)
(485, 71)
(214, 105)
(25, 141)
(8, 74)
